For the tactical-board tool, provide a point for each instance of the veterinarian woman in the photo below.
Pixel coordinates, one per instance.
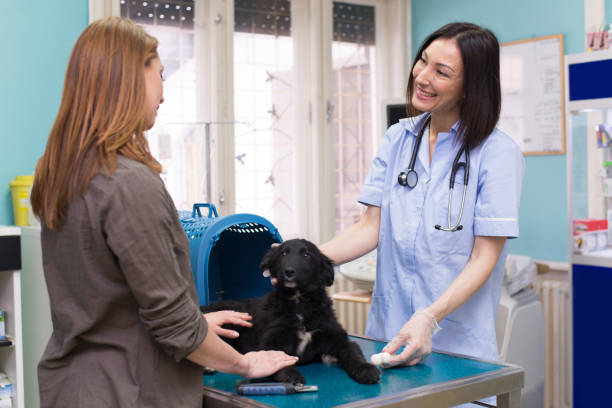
(434, 269)
(127, 330)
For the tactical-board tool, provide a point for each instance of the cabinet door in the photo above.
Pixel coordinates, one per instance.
(592, 286)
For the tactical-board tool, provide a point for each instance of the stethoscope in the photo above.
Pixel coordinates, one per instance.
(410, 178)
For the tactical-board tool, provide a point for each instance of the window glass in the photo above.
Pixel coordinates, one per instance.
(354, 61)
(175, 140)
(265, 157)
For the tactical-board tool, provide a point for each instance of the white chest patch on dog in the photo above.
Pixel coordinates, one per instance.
(296, 296)
(305, 338)
(328, 359)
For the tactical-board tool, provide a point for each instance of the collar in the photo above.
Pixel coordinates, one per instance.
(413, 125)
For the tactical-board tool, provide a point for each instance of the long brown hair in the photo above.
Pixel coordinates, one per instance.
(482, 104)
(101, 114)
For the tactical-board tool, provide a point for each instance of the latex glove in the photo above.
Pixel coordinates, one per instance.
(265, 363)
(216, 320)
(416, 336)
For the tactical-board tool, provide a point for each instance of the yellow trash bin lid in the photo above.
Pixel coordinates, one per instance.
(22, 181)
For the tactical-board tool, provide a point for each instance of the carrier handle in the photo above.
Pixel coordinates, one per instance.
(212, 210)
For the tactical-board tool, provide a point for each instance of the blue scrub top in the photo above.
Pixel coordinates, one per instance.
(416, 262)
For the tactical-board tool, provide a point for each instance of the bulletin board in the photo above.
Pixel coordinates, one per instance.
(533, 96)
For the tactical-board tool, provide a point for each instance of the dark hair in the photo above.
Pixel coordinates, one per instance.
(480, 109)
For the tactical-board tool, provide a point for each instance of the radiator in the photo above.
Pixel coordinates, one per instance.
(556, 306)
(351, 315)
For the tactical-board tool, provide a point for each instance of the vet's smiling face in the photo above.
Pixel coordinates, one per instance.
(298, 263)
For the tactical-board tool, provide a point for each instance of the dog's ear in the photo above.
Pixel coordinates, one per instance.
(327, 269)
(269, 257)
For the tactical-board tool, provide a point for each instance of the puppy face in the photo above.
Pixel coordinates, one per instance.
(298, 263)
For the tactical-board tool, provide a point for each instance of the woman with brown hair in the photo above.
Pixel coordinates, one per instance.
(127, 330)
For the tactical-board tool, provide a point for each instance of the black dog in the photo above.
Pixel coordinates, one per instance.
(297, 316)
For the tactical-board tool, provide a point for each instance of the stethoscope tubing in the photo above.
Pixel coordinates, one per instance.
(410, 177)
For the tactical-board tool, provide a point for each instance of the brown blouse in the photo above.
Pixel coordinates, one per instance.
(123, 301)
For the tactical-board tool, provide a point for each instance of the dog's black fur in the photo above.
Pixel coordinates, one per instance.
(297, 316)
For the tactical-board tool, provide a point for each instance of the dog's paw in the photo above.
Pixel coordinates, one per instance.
(366, 374)
(289, 375)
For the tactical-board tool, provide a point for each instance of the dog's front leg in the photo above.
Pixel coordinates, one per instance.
(351, 359)
(289, 375)
(278, 340)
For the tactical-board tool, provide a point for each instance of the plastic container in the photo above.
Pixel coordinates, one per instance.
(20, 189)
(2, 326)
(606, 178)
(590, 234)
(226, 253)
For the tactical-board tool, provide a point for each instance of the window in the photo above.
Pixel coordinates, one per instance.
(284, 83)
(176, 140)
(265, 162)
(354, 97)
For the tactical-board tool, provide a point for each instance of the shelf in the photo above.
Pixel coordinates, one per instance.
(359, 296)
(7, 343)
(11, 356)
(597, 258)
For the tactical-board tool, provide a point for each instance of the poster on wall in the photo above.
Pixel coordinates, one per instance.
(531, 73)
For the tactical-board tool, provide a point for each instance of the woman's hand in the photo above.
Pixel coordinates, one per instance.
(217, 319)
(216, 353)
(265, 363)
(416, 335)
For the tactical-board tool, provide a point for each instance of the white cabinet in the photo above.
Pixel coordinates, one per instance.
(37, 325)
(11, 357)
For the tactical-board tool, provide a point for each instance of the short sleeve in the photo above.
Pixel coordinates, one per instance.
(373, 186)
(500, 179)
(142, 230)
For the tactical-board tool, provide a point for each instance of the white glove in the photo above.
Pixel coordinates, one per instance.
(416, 336)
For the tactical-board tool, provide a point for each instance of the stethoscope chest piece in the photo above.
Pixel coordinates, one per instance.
(409, 178)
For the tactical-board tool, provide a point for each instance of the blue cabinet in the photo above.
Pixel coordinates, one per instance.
(588, 104)
(592, 295)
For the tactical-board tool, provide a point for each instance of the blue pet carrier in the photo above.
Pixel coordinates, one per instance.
(226, 252)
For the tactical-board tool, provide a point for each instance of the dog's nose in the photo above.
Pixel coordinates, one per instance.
(289, 273)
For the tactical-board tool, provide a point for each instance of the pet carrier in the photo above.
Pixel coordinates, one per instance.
(226, 252)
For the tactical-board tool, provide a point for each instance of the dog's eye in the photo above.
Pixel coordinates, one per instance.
(284, 253)
(306, 255)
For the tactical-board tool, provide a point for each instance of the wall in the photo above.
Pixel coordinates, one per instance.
(543, 213)
(35, 42)
(37, 37)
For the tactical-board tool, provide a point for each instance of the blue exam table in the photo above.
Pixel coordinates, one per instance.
(443, 380)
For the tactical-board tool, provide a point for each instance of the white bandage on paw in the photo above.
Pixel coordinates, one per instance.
(381, 359)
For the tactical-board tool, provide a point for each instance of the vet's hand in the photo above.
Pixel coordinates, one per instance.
(265, 363)
(266, 273)
(217, 319)
(416, 336)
